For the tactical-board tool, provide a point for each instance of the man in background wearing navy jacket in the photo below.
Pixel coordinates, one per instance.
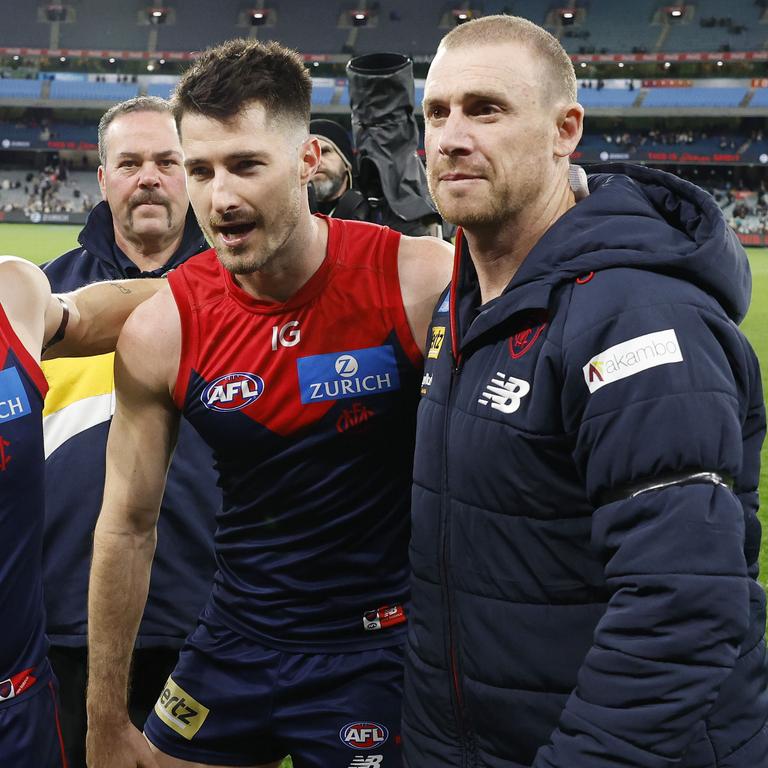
(585, 538)
(143, 228)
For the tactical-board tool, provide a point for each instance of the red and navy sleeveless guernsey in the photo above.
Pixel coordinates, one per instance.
(22, 617)
(309, 406)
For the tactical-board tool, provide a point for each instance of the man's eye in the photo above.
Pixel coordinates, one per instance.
(248, 165)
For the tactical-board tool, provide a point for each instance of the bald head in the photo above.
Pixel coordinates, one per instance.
(559, 85)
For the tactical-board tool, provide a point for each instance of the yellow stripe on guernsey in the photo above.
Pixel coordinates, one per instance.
(81, 395)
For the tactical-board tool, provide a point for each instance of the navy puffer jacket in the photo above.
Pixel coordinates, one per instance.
(585, 537)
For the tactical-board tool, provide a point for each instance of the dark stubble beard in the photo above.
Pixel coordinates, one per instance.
(238, 261)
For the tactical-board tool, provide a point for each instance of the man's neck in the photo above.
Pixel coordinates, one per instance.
(498, 251)
(299, 258)
(149, 255)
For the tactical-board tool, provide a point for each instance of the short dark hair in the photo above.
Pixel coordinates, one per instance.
(228, 77)
(137, 104)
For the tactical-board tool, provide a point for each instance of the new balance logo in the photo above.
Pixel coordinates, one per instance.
(369, 761)
(505, 393)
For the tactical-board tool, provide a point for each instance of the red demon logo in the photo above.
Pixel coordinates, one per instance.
(523, 340)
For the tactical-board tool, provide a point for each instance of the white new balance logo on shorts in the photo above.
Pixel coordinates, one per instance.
(370, 761)
(504, 393)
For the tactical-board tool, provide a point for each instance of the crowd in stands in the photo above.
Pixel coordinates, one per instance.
(723, 21)
(745, 206)
(52, 190)
(747, 210)
(630, 140)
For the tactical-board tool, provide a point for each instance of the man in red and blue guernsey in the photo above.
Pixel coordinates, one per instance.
(143, 228)
(294, 348)
(86, 322)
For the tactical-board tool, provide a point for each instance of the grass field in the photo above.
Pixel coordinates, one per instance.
(37, 242)
(756, 328)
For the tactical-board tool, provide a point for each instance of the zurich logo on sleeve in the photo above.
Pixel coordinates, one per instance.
(232, 392)
(339, 375)
(13, 397)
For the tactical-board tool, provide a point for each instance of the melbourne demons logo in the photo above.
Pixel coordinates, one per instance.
(232, 392)
(363, 735)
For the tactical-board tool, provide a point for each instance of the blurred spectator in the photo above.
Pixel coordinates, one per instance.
(333, 182)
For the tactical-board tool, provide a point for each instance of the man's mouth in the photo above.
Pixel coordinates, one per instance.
(235, 234)
(453, 176)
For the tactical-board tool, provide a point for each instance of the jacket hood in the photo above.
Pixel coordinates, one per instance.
(98, 238)
(642, 218)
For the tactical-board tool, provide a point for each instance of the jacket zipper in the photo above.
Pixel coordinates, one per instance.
(458, 698)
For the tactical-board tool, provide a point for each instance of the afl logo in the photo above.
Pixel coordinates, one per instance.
(346, 365)
(232, 392)
(363, 735)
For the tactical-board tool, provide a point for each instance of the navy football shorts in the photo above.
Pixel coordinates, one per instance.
(30, 734)
(231, 701)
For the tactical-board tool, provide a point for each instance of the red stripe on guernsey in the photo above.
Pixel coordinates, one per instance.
(454, 283)
(10, 341)
(64, 763)
(352, 302)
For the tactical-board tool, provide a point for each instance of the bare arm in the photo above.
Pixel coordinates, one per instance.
(139, 449)
(96, 313)
(425, 265)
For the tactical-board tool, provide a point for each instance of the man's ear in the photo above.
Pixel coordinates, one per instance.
(570, 125)
(309, 158)
(102, 182)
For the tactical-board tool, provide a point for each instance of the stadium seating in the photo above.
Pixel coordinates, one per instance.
(400, 25)
(92, 91)
(81, 187)
(163, 90)
(20, 89)
(694, 97)
(606, 97)
(694, 36)
(323, 93)
(759, 98)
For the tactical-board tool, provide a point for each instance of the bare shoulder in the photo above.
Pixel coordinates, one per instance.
(150, 343)
(424, 265)
(25, 294)
(425, 261)
(22, 282)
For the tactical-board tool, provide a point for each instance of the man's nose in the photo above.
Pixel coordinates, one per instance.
(223, 195)
(149, 176)
(455, 135)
